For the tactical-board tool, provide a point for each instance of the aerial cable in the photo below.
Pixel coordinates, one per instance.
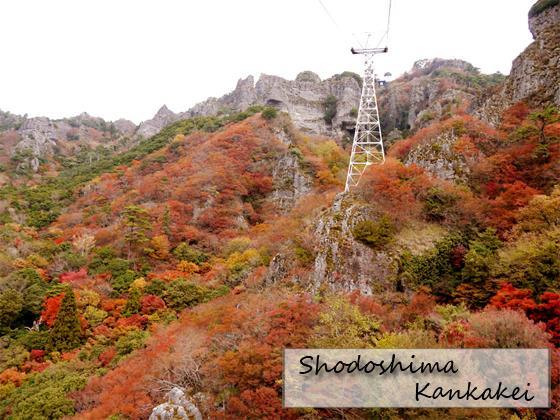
(333, 20)
(386, 34)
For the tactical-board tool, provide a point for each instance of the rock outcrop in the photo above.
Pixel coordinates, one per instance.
(431, 90)
(535, 73)
(437, 156)
(176, 407)
(163, 117)
(344, 264)
(41, 137)
(303, 99)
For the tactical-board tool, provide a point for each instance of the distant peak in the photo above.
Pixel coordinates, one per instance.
(427, 65)
(308, 76)
(164, 110)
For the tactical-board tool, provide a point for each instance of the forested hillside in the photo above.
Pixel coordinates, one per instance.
(190, 259)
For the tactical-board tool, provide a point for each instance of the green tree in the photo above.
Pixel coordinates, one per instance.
(185, 252)
(133, 303)
(374, 234)
(480, 257)
(11, 304)
(181, 294)
(31, 287)
(269, 113)
(330, 107)
(544, 118)
(137, 224)
(66, 333)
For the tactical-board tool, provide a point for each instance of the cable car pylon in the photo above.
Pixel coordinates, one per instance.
(367, 147)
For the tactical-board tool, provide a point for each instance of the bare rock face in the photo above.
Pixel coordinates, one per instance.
(437, 156)
(535, 73)
(344, 264)
(432, 89)
(38, 137)
(163, 117)
(290, 182)
(303, 99)
(177, 407)
(41, 137)
(10, 121)
(125, 127)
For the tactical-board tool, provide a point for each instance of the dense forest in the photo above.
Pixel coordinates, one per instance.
(158, 267)
(170, 271)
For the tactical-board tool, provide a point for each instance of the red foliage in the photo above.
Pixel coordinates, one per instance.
(547, 310)
(514, 116)
(367, 304)
(107, 356)
(103, 330)
(37, 355)
(151, 303)
(73, 276)
(33, 366)
(13, 376)
(260, 403)
(508, 297)
(501, 212)
(136, 321)
(421, 305)
(457, 256)
(51, 305)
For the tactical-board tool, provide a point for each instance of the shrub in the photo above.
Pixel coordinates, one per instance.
(181, 294)
(11, 304)
(131, 341)
(44, 395)
(374, 234)
(122, 283)
(185, 252)
(269, 113)
(330, 107)
(438, 204)
(94, 316)
(343, 325)
(156, 287)
(435, 268)
(506, 329)
(151, 303)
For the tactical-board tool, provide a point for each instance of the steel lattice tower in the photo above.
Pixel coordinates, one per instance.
(367, 147)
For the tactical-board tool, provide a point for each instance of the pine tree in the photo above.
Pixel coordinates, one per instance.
(137, 224)
(66, 333)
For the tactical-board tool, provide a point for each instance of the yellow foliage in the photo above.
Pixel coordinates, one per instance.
(187, 267)
(343, 325)
(411, 339)
(37, 261)
(87, 297)
(160, 246)
(139, 283)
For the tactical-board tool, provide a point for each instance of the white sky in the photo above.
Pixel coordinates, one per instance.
(125, 58)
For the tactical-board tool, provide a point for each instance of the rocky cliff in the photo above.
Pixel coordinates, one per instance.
(535, 73)
(433, 89)
(303, 98)
(26, 142)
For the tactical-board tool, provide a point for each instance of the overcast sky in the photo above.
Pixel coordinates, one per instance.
(125, 58)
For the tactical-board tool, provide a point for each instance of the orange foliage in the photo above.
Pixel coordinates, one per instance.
(13, 376)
